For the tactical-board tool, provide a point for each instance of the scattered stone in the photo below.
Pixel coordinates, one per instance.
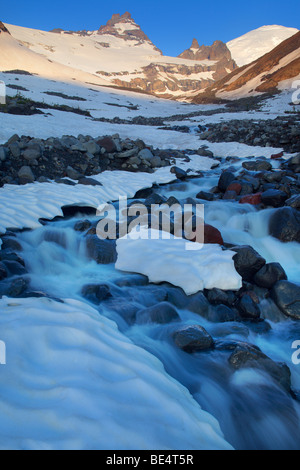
(248, 308)
(193, 339)
(82, 226)
(3, 272)
(253, 199)
(26, 175)
(274, 198)
(248, 356)
(284, 224)
(96, 293)
(102, 251)
(212, 235)
(269, 274)
(205, 196)
(247, 261)
(161, 313)
(286, 296)
(180, 174)
(225, 180)
(258, 165)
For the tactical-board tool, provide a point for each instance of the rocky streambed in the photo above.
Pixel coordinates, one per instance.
(231, 349)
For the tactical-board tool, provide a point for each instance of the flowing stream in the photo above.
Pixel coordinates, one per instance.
(253, 411)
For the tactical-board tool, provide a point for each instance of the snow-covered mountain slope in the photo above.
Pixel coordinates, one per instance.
(122, 55)
(276, 70)
(16, 56)
(253, 45)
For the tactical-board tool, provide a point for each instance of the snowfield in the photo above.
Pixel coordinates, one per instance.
(255, 44)
(73, 381)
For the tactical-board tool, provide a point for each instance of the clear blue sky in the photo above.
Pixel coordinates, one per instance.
(171, 25)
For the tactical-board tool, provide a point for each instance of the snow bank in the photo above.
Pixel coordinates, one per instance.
(23, 206)
(170, 261)
(73, 381)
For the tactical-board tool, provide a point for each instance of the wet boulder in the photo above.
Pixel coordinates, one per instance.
(286, 296)
(3, 272)
(102, 251)
(284, 224)
(269, 274)
(257, 165)
(222, 314)
(203, 195)
(161, 313)
(96, 293)
(225, 180)
(217, 296)
(193, 338)
(294, 202)
(17, 287)
(212, 235)
(14, 268)
(248, 308)
(82, 225)
(180, 174)
(274, 198)
(249, 356)
(247, 261)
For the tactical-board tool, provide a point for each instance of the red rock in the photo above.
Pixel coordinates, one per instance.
(237, 187)
(253, 199)
(212, 235)
(277, 155)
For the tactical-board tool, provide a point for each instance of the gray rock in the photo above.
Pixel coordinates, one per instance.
(286, 296)
(161, 313)
(248, 356)
(145, 154)
(82, 226)
(258, 165)
(270, 274)
(15, 149)
(225, 180)
(274, 198)
(26, 175)
(3, 154)
(73, 174)
(294, 201)
(128, 153)
(102, 251)
(3, 272)
(248, 308)
(92, 147)
(96, 293)
(247, 261)
(284, 224)
(156, 162)
(193, 338)
(33, 152)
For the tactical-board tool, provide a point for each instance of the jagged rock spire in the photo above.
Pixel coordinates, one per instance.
(3, 29)
(195, 44)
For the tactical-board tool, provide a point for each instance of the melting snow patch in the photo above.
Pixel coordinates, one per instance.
(74, 381)
(170, 261)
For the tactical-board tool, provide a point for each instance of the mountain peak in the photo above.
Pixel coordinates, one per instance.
(3, 29)
(124, 27)
(195, 44)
